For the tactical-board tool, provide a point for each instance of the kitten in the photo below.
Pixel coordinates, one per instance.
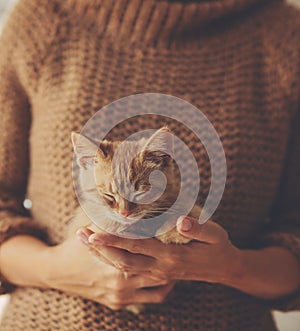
(137, 160)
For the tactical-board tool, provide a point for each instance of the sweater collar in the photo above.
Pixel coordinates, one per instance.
(155, 21)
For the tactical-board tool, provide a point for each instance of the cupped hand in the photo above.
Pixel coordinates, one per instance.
(209, 257)
(72, 268)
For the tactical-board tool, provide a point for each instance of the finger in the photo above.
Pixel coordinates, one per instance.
(151, 247)
(97, 254)
(139, 282)
(83, 234)
(125, 261)
(86, 231)
(153, 295)
(209, 232)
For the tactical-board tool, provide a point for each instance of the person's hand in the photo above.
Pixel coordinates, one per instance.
(210, 257)
(73, 269)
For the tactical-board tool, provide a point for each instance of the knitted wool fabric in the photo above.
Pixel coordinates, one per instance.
(237, 61)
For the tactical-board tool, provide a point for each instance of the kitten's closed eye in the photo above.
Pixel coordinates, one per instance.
(109, 199)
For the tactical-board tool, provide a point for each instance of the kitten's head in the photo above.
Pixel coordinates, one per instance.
(135, 160)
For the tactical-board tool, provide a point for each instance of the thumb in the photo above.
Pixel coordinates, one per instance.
(189, 227)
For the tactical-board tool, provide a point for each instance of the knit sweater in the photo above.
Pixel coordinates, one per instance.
(237, 61)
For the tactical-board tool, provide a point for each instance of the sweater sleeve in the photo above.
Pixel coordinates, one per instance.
(20, 54)
(284, 227)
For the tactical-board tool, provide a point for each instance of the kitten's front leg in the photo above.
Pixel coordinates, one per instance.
(173, 236)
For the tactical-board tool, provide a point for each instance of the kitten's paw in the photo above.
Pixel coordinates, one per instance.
(173, 236)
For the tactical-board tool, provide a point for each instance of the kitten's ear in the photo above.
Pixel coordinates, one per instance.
(105, 149)
(160, 147)
(85, 150)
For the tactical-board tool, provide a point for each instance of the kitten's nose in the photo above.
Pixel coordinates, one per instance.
(125, 213)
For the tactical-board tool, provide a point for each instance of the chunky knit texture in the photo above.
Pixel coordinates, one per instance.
(238, 61)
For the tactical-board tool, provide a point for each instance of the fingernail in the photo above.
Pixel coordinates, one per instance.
(94, 239)
(186, 224)
(79, 232)
(83, 238)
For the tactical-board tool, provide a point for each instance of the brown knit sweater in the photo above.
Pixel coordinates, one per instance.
(236, 60)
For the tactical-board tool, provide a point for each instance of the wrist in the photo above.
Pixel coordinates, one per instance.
(235, 270)
(258, 273)
(51, 266)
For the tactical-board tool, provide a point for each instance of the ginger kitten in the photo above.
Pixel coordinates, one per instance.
(99, 176)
